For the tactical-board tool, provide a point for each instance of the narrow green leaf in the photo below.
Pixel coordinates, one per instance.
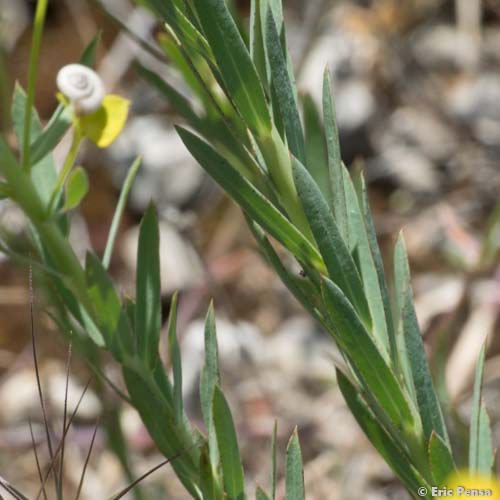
(285, 91)
(251, 200)
(124, 342)
(104, 298)
(341, 267)
(486, 453)
(428, 404)
(257, 48)
(175, 359)
(52, 134)
(316, 154)
(440, 459)
(379, 266)
(235, 64)
(480, 447)
(260, 494)
(89, 53)
(274, 443)
(401, 273)
(359, 240)
(209, 379)
(390, 450)
(157, 416)
(232, 469)
(120, 208)
(334, 158)
(294, 473)
(207, 482)
(77, 187)
(148, 299)
(210, 376)
(177, 100)
(365, 358)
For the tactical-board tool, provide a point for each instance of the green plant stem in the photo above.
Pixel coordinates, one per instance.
(68, 164)
(41, 10)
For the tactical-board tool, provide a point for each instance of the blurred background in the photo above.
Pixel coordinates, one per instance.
(417, 88)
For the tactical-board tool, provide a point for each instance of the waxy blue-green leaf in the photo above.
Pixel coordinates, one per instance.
(209, 379)
(157, 416)
(251, 200)
(358, 239)
(148, 299)
(232, 470)
(285, 91)
(105, 300)
(392, 451)
(316, 154)
(76, 188)
(175, 359)
(334, 158)
(341, 267)
(440, 459)
(257, 48)
(428, 404)
(373, 372)
(362, 193)
(235, 64)
(481, 456)
(294, 470)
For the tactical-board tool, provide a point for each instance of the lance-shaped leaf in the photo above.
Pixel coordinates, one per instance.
(148, 300)
(373, 372)
(294, 473)
(334, 158)
(77, 187)
(341, 267)
(104, 298)
(358, 240)
(362, 193)
(233, 60)
(175, 359)
(428, 404)
(481, 454)
(317, 161)
(251, 200)
(390, 450)
(285, 91)
(440, 459)
(232, 470)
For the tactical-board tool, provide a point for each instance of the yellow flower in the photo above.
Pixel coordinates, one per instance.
(462, 484)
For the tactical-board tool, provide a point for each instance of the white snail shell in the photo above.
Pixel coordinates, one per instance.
(82, 86)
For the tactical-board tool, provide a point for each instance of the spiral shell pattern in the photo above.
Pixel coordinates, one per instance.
(82, 86)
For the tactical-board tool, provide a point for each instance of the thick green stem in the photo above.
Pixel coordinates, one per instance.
(41, 10)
